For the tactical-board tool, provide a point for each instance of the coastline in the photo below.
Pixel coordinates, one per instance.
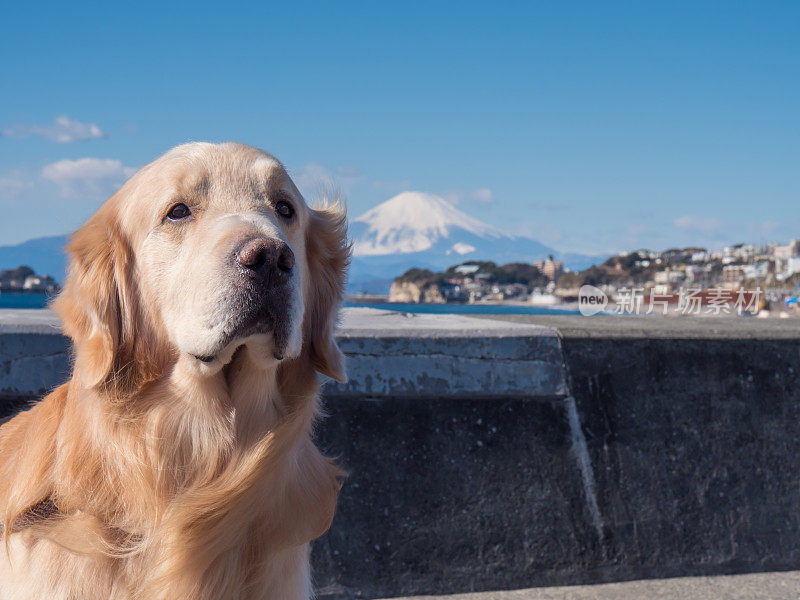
(512, 307)
(486, 308)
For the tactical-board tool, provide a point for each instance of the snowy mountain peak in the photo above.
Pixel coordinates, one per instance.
(415, 222)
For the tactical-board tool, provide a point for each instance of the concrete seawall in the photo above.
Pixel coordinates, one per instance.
(487, 454)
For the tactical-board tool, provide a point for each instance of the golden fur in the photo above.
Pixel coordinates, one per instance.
(174, 480)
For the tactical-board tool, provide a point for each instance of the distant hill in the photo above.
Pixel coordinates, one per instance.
(44, 255)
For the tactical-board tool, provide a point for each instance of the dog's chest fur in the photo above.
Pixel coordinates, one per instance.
(233, 491)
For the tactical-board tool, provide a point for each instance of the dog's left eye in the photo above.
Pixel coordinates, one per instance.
(284, 209)
(178, 212)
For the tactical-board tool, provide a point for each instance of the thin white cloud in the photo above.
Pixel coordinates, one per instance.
(13, 185)
(316, 181)
(394, 187)
(701, 224)
(481, 195)
(63, 131)
(87, 177)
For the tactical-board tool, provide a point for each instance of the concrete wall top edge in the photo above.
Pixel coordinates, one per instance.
(367, 322)
(726, 327)
(389, 355)
(354, 322)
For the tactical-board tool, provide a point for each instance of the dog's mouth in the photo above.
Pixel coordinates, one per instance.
(262, 323)
(236, 341)
(264, 318)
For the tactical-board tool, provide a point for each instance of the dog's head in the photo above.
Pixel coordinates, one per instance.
(207, 249)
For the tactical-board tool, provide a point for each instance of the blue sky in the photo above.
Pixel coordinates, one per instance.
(590, 126)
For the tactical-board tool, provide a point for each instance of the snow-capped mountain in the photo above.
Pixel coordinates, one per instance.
(417, 229)
(416, 222)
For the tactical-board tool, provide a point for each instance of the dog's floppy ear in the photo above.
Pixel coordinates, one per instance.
(95, 306)
(328, 253)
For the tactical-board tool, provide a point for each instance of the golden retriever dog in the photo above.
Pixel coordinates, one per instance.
(177, 462)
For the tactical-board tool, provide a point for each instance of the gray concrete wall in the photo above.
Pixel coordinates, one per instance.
(487, 454)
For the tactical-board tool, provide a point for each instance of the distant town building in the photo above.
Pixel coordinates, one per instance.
(668, 276)
(787, 268)
(759, 270)
(696, 273)
(467, 269)
(454, 292)
(552, 269)
(733, 273)
(790, 250)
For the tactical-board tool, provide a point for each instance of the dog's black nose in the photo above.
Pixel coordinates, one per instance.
(270, 258)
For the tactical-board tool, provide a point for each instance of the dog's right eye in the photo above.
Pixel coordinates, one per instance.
(178, 212)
